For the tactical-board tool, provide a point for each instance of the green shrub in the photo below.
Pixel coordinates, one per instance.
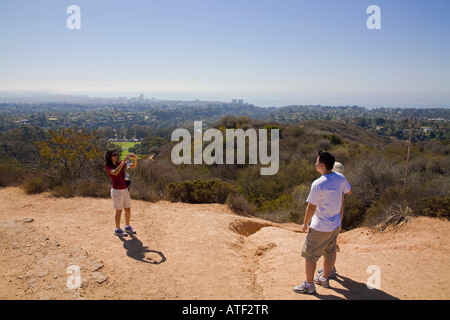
(354, 212)
(269, 128)
(285, 201)
(281, 209)
(435, 206)
(198, 191)
(11, 172)
(334, 139)
(239, 204)
(64, 190)
(33, 185)
(92, 187)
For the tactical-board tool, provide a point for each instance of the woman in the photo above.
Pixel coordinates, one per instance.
(119, 191)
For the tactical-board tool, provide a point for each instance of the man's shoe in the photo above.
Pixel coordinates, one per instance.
(332, 274)
(324, 282)
(305, 288)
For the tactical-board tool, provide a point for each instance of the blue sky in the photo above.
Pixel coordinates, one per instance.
(266, 52)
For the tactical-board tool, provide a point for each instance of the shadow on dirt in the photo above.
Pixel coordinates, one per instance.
(353, 290)
(136, 250)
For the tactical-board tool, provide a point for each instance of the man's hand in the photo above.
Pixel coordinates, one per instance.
(305, 228)
(310, 209)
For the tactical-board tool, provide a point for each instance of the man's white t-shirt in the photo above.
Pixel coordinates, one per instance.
(326, 193)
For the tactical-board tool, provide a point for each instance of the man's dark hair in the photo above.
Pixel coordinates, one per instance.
(327, 159)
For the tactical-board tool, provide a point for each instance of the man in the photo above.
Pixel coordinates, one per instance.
(324, 213)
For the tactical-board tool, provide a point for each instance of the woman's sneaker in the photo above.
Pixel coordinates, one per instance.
(129, 229)
(305, 288)
(119, 232)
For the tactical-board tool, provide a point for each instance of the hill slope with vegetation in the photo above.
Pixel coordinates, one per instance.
(68, 161)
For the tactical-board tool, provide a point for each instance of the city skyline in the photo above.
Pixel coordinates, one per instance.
(268, 53)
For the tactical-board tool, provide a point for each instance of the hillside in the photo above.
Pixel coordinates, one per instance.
(185, 251)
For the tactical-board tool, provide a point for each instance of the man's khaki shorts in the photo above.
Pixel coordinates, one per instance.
(318, 243)
(121, 198)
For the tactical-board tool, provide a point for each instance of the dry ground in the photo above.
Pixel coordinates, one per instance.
(185, 251)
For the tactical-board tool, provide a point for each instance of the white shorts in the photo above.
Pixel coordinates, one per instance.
(121, 198)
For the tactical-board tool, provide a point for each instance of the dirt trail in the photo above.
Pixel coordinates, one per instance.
(184, 251)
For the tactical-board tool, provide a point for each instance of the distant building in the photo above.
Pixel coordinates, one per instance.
(24, 122)
(141, 96)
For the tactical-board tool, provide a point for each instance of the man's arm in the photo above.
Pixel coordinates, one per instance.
(310, 210)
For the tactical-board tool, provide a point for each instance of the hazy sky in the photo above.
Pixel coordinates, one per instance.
(267, 52)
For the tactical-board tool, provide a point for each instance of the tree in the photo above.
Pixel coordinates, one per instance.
(70, 150)
(380, 121)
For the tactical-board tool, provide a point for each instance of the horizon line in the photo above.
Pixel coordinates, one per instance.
(136, 95)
